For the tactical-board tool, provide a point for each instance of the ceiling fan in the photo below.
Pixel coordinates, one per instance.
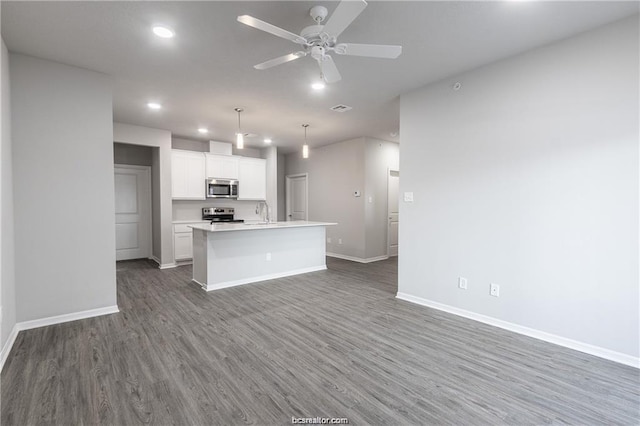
(318, 40)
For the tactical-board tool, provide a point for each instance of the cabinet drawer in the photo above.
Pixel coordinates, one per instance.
(182, 227)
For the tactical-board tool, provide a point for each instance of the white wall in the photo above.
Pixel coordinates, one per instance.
(335, 172)
(63, 163)
(528, 177)
(200, 146)
(133, 155)
(7, 269)
(160, 141)
(192, 210)
(380, 156)
(280, 187)
(270, 154)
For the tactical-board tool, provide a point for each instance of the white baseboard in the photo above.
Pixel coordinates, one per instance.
(358, 259)
(168, 265)
(531, 332)
(8, 345)
(163, 265)
(43, 322)
(226, 284)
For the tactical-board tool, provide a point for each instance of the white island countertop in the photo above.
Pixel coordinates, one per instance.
(253, 226)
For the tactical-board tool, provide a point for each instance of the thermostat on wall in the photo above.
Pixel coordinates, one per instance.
(356, 193)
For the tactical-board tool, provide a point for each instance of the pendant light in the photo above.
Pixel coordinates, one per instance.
(305, 147)
(239, 135)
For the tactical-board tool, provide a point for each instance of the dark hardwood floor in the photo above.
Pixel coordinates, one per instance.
(333, 344)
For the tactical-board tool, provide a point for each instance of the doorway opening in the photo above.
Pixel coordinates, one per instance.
(393, 213)
(133, 176)
(297, 196)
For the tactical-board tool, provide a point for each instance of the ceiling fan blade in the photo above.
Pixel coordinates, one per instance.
(271, 29)
(329, 70)
(280, 60)
(371, 50)
(345, 13)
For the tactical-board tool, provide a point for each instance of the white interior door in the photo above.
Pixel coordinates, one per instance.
(297, 197)
(133, 212)
(393, 193)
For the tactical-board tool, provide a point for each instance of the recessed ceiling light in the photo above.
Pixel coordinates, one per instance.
(154, 105)
(267, 141)
(318, 85)
(164, 32)
(203, 130)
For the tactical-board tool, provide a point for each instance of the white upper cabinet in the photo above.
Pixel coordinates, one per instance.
(187, 175)
(252, 179)
(222, 166)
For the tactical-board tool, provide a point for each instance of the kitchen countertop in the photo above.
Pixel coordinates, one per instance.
(253, 226)
(191, 221)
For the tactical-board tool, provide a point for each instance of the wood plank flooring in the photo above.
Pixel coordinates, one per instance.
(334, 343)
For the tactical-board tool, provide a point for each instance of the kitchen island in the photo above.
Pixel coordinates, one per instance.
(226, 255)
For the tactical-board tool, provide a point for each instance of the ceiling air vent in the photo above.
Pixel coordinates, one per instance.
(340, 108)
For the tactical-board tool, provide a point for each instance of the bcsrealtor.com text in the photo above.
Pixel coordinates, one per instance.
(320, 420)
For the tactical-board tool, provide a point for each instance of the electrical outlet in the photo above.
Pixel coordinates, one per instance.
(494, 290)
(408, 197)
(329, 240)
(339, 240)
(462, 283)
(269, 257)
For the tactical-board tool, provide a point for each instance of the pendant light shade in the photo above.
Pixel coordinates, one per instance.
(305, 147)
(239, 135)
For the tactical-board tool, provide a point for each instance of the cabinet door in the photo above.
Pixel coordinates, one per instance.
(178, 175)
(222, 166)
(187, 175)
(252, 179)
(183, 246)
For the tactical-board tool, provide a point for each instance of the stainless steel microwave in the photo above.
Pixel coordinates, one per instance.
(222, 188)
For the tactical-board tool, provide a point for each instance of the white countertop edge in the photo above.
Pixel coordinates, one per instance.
(249, 226)
(178, 222)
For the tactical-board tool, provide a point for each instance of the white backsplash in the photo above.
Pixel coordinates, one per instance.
(192, 210)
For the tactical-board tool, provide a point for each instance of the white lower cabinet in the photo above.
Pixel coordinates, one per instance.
(183, 246)
(183, 241)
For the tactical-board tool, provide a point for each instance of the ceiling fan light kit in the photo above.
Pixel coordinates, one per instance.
(318, 40)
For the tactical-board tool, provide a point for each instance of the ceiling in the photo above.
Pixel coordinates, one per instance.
(206, 71)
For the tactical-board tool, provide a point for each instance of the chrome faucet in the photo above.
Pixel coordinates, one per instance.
(263, 209)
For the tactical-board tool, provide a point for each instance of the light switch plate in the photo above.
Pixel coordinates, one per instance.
(408, 197)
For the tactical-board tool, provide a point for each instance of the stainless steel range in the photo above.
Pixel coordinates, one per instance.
(219, 214)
